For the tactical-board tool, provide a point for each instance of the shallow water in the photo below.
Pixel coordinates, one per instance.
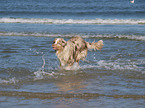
(30, 74)
(29, 69)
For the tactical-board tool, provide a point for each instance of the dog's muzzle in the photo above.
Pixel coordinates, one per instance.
(55, 46)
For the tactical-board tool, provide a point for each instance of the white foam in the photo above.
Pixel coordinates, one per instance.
(74, 67)
(121, 65)
(72, 21)
(40, 74)
(9, 81)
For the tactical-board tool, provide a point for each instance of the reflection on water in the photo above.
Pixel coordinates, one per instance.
(70, 83)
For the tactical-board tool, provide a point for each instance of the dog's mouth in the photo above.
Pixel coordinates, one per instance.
(57, 47)
(54, 47)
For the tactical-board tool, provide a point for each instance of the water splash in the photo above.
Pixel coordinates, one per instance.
(9, 81)
(121, 65)
(75, 67)
(118, 64)
(41, 74)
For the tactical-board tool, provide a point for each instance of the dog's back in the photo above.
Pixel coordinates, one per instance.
(80, 48)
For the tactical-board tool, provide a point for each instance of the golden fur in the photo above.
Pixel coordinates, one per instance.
(73, 50)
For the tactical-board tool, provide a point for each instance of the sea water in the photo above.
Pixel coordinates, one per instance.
(29, 69)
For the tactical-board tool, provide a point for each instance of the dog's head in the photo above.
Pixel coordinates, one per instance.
(59, 44)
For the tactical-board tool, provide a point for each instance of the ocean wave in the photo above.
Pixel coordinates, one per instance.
(72, 21)
(121, 65)
(108, 36)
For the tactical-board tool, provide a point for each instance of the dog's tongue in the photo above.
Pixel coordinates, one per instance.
(54, 48)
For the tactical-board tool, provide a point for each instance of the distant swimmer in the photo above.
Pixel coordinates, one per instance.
(132, 1)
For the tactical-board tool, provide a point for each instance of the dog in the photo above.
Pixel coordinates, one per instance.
(73, 50)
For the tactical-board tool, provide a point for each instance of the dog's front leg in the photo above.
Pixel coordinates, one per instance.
(62, 64)
(77, 62)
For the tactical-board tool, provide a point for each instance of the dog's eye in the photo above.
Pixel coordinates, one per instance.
(53, 41)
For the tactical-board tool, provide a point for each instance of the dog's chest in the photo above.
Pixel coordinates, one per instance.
(66, 54)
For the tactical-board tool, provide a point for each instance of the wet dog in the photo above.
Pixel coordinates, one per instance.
(73, 50)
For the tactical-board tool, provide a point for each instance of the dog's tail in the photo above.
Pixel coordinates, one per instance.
(95, 45)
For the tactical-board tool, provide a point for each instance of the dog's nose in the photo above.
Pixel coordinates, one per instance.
(52, 45)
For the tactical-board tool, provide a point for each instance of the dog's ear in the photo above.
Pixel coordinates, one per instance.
(64, 43)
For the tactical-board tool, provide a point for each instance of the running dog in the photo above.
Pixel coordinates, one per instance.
(73, 50)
